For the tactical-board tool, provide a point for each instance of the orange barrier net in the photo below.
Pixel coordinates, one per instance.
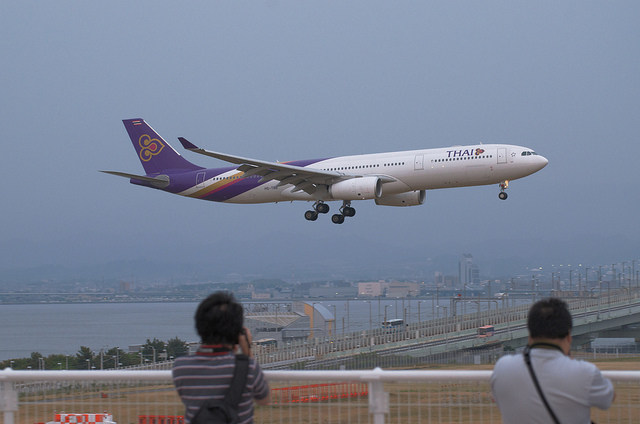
(318, 392)
(160, 419)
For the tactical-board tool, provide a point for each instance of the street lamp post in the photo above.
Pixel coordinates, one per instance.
(570, 271)
(608, 283)
(370, 323)
(464, 304)
(348, 316)
(586, 278)
(335, 320)
(433, 306)
(378, 318)
(445, 310)
(313, 317)
(599, 275)
(396, 308)
(446, 325)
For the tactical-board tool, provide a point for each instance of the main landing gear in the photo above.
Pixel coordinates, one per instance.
(321, 207)
(318, 207)
(503, 186)
(345, 210)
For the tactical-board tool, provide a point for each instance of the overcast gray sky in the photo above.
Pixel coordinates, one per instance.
(286, 80)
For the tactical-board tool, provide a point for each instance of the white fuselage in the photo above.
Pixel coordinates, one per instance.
(413, 170)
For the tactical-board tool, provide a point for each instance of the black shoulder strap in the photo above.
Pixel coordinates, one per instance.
(239, 380)
(527, 360)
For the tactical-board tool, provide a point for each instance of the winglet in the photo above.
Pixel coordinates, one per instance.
(187, 144)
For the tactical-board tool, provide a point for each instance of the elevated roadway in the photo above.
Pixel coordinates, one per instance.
(615, 315)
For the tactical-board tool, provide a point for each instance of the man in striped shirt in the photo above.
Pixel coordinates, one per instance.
(208, 374)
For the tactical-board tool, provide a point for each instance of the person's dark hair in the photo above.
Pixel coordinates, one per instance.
(549, 319)
(219, 319)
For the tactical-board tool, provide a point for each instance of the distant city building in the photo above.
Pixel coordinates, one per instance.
(372, 289)
(285, 293)
(451, 281)
(398, 289)
(333, 292)
(468, 272)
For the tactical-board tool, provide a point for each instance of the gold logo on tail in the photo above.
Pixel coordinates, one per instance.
(149, 147)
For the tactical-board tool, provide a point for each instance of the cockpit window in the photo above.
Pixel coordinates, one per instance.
(528, 153)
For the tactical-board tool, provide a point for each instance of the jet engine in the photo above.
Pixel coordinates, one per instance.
(412, 198)
(357, 189)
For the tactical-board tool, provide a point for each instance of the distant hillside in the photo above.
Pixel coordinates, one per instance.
(295, 258)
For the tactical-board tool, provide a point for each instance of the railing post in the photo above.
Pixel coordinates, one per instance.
(378, 400)
(8, 400)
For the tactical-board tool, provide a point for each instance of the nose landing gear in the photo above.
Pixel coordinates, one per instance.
(503, 186)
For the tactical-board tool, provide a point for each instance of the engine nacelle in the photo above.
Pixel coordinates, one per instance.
(413, 198)
(357, 189)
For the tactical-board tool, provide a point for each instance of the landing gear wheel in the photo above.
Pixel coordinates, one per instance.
(322, 208)
(311, 215)
(337, 218)
(349, 211)
(502, 195)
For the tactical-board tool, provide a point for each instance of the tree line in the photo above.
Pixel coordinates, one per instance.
(152, 351)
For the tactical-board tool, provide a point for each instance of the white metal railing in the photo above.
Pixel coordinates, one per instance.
(376, 396)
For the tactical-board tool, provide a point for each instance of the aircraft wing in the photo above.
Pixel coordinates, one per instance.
(302, 178)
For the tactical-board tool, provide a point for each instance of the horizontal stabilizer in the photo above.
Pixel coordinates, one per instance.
(161, 181)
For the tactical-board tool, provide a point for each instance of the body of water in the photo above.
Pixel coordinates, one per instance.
(63, 328)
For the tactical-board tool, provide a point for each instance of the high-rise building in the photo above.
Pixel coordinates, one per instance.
(468, 272)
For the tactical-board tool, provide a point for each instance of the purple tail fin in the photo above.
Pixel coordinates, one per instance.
(155, 154)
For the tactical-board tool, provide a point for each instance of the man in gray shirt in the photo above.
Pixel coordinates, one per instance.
(571, 387)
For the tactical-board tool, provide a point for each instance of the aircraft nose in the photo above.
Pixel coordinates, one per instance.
(543, 161)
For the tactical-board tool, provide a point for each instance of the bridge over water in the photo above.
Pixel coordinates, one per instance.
(613, 314)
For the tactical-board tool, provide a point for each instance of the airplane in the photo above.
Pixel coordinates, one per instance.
(390, 179)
